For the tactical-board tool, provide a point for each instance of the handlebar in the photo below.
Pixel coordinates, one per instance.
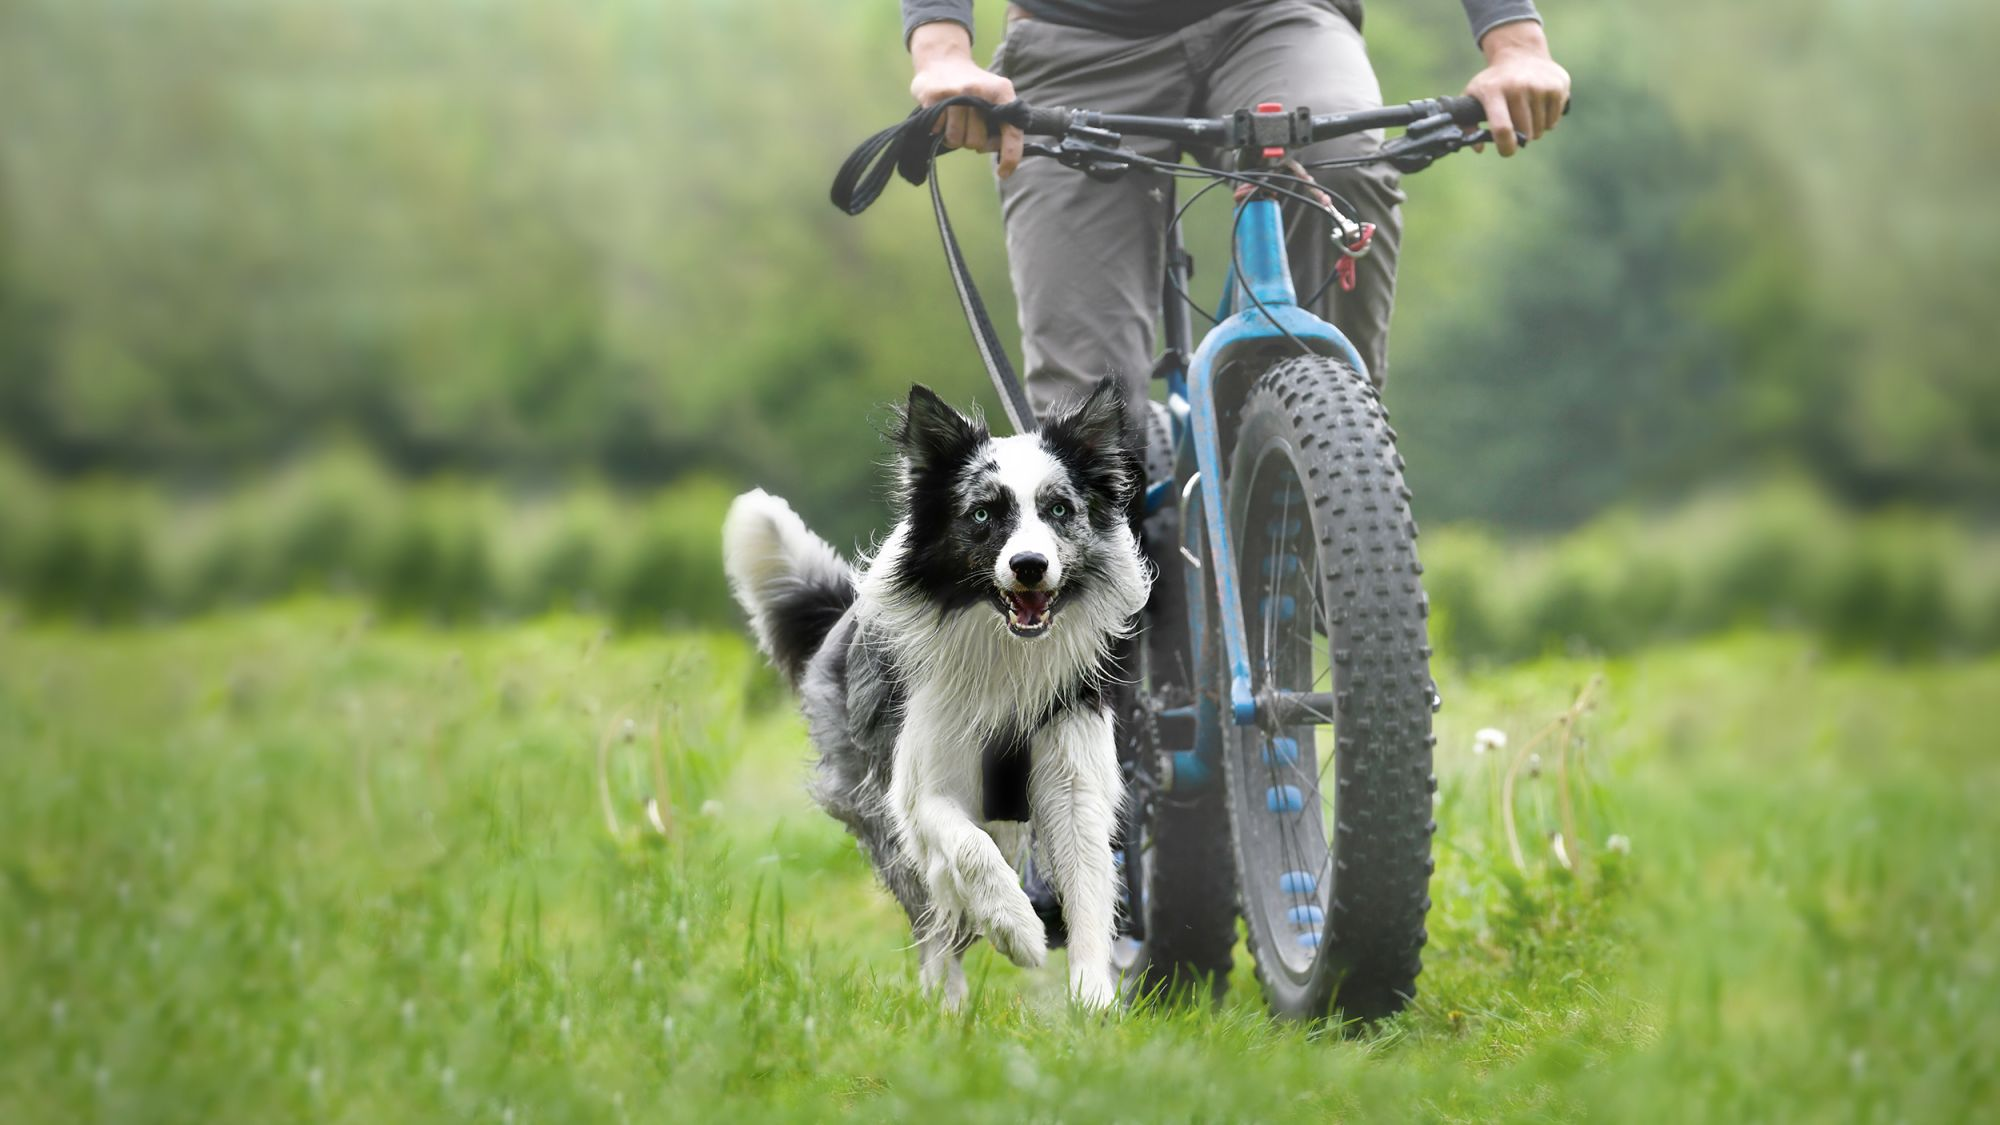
(1264, 126)
(1094, 141)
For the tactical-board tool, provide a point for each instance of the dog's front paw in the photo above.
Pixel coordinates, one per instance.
(1015, 929)
(1092, 989)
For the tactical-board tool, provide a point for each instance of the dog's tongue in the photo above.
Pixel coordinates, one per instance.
(1029, 605)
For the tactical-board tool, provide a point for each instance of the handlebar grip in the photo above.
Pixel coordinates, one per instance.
(1042, 121)
(1464, 109)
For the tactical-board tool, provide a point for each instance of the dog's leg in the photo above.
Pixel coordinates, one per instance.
(941, 968)
(932, 787)
(1075, 792)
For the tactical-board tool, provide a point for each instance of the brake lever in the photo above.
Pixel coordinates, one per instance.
(1097, 152)
(1485, 137)
(1423, 142)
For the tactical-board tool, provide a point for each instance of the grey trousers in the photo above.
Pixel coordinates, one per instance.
(1086, 256)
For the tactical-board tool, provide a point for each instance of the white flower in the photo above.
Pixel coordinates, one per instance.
(1534, 765)
(1562, 853)
(1620, 843)
(1489, 738)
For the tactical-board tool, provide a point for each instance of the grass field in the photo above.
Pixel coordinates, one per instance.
(293, 865)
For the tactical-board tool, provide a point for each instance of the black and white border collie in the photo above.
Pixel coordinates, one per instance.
(981, 630)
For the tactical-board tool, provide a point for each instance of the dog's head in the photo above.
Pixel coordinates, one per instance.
(1024, 524)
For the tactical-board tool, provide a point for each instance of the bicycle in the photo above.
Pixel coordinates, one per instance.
(1275, 499)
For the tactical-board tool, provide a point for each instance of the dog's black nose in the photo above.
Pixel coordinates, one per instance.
(1028, 567)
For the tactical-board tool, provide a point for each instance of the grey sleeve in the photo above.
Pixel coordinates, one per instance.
(1484, 15)
(957, 11)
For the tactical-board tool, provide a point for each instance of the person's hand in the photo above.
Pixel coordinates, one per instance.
(942, 55)
(1522, 88)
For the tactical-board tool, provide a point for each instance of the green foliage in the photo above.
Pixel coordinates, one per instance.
(542, 241)
(1897, 583)
(1783, 557)
(672, 571)
(92, 559)
(447, 551)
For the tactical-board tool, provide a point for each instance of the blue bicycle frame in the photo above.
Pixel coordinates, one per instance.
(1259, 311)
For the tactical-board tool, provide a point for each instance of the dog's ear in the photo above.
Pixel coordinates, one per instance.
(1090, 439)
(930, 433)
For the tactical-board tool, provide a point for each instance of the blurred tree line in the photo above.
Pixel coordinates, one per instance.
(541, 242)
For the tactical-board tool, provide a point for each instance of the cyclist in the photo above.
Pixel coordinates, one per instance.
(1086, 255)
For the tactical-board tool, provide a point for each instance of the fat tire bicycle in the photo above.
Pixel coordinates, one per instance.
(1275, 731)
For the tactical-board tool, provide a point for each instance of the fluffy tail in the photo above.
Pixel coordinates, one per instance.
(793, 586)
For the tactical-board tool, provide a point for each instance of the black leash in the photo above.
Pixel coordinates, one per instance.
(911, 148)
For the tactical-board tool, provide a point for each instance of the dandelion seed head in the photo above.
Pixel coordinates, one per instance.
(1618, 842)
(1488, 739)
(712, 808)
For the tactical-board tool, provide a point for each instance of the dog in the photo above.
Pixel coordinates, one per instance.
(957, 684)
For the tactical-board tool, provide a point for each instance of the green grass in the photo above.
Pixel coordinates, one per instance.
(291, 864)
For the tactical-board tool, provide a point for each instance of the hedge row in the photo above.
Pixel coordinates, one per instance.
(452, 551)
(1899, 583)
(1904, 584)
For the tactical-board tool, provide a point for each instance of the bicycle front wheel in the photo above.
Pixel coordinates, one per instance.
(1330, 818)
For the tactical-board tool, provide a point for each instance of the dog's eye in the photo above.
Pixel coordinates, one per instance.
(981, 515)
(1058, 510)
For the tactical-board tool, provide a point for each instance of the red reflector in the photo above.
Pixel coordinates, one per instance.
(1270, 107)
(1273, 153)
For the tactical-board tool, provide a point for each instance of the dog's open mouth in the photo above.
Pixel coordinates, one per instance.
(1028, 611)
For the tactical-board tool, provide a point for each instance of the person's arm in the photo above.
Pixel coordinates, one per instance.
(941, 53)
(1523, 89)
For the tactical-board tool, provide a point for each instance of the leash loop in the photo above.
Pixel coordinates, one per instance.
(911, 148)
